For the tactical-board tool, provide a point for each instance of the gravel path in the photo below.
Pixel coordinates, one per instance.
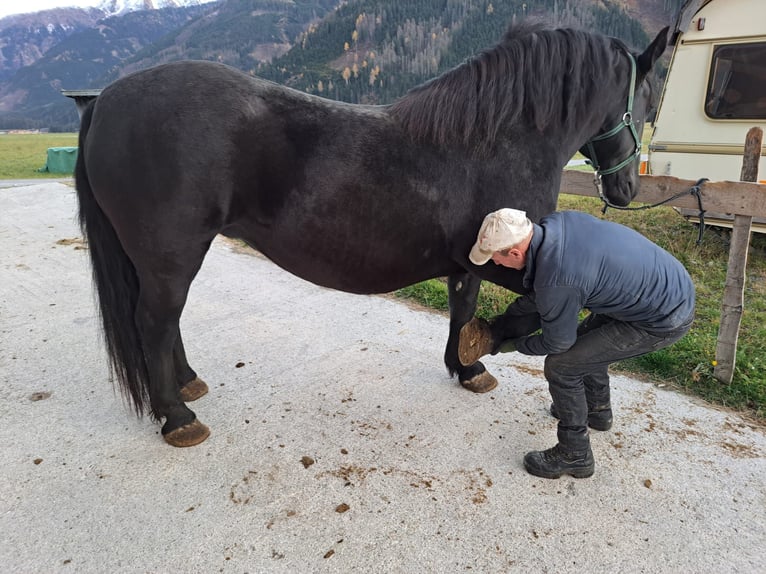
(339, 443)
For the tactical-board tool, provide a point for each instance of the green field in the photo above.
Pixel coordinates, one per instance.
(687, 365)
(23, 154)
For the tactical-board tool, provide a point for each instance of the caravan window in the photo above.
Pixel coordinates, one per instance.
(737, 84)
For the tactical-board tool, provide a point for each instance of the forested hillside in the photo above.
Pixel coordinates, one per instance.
(372, 51)
(360, 51)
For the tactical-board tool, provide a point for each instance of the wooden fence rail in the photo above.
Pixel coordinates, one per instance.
(743, 199)
(717, 196)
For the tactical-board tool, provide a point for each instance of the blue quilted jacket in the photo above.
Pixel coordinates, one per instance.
(576, 261)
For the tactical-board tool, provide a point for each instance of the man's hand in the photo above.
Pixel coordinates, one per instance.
(507, 346)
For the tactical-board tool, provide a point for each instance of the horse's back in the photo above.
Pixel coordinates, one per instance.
(201, 120)
(177, 103)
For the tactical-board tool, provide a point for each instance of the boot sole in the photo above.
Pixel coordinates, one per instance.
(578, 473)
(600, 427)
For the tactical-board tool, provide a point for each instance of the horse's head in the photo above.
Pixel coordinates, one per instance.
(615, 150)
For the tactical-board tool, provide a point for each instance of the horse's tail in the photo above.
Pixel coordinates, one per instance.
(116, 285)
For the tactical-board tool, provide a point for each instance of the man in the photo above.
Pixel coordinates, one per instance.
(640, 299)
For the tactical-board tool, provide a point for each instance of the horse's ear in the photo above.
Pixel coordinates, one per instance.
(653, 52)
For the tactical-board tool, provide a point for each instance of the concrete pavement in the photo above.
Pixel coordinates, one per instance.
(339, 443)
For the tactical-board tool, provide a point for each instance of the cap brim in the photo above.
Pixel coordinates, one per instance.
(478, 256)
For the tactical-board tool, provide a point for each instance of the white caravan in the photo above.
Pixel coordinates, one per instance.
(714, 93)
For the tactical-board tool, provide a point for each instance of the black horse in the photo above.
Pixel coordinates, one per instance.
(365, 199)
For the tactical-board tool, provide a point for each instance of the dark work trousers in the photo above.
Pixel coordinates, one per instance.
(578, 378)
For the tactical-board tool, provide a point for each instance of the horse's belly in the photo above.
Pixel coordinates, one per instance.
(358, 272)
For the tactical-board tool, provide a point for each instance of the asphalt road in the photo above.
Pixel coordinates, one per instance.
(339, 443)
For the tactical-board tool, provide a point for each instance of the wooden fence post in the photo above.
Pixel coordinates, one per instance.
(734, 290)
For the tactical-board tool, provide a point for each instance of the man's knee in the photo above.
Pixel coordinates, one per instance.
(559, 368)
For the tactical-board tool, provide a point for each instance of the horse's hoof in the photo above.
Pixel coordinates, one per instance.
(475, 341)
(188, 435)
(481, 383)
(193, 390)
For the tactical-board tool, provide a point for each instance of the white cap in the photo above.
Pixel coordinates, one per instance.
(500, 230)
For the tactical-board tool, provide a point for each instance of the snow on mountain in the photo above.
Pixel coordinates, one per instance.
(116, 7)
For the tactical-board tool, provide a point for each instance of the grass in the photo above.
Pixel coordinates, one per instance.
(686, 365)
(24, 154)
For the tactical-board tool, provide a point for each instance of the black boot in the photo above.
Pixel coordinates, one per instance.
(599, 418)
(554, 462)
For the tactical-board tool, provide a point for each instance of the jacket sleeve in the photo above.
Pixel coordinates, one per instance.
(523, 305)
(559, 309)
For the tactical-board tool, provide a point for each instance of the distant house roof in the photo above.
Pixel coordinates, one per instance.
(81, 98)
(80, 93)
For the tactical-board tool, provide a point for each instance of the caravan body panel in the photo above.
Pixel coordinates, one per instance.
(714, 93)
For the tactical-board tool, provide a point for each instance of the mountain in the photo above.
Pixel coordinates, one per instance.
(31, 97)
(389, 47)
(354, 50)
(25, 38)
(241, 33)
(120, 7)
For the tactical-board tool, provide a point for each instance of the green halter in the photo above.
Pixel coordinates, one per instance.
(627, 122)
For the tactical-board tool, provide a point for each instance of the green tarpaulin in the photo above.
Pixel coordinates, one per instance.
(60, 160)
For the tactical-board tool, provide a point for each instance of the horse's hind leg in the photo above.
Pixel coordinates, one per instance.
(463, 293)
(189, 384)
(160, 303)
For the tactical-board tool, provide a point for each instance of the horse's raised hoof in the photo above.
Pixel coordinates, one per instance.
(481, 383)
(475, 341)
(193, 390)
(188, 435)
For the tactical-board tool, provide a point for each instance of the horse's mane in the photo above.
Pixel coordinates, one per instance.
(536, 75)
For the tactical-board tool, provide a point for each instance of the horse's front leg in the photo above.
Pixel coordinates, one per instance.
(463, 293)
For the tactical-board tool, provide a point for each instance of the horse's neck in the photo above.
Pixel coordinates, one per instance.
(546, 150)
(577, 135)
